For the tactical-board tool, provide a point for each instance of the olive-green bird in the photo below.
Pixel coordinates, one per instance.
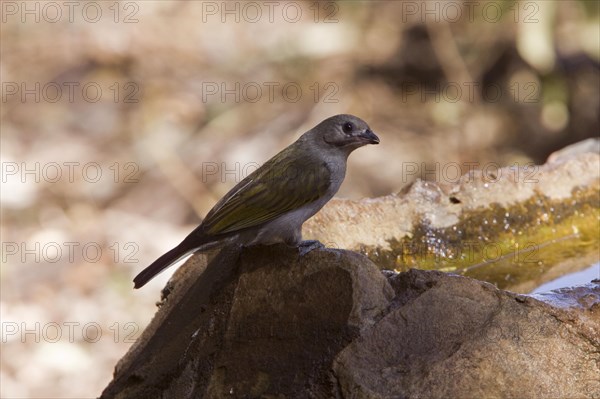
(271, 204)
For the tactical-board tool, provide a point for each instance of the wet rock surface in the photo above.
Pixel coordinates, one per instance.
(265, 322)
(516, 227)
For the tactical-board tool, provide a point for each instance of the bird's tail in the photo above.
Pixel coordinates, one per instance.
(160, 264)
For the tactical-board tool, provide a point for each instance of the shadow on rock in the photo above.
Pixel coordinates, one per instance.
(267, 322)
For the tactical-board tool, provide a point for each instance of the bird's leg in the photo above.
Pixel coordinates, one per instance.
(304, 247)
(308, 245)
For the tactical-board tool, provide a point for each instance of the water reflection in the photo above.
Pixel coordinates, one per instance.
(568, 280)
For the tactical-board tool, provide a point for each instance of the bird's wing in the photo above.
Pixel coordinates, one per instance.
(275, 188)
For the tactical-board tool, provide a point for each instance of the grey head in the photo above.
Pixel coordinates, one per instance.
(343, 132)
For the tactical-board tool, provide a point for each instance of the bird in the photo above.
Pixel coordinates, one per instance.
(270, 205)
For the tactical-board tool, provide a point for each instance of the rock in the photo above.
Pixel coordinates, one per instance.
(591, 145)
(377, 222)
(517, 227)
(452, 337)
(265, 322)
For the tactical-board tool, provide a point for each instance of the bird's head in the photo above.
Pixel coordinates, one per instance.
(346, 132)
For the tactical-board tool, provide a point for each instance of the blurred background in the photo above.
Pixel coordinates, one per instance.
(123, 122)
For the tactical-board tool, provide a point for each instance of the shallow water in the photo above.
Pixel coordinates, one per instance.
(572, 279)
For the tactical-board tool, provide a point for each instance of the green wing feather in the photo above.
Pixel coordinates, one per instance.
(281, 185)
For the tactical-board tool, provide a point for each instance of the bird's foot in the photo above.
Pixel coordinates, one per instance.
(308, 245)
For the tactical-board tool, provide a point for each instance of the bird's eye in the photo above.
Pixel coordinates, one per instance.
(348, 127)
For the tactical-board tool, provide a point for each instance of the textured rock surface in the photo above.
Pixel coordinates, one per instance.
(454, 337)
(516, 227)
(377, 222)
(265, 322)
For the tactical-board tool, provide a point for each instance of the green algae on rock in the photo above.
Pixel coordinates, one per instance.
(507, 246)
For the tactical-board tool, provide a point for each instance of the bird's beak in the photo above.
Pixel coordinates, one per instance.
(369, 137)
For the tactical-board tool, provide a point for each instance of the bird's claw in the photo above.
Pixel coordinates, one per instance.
(306, 246)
